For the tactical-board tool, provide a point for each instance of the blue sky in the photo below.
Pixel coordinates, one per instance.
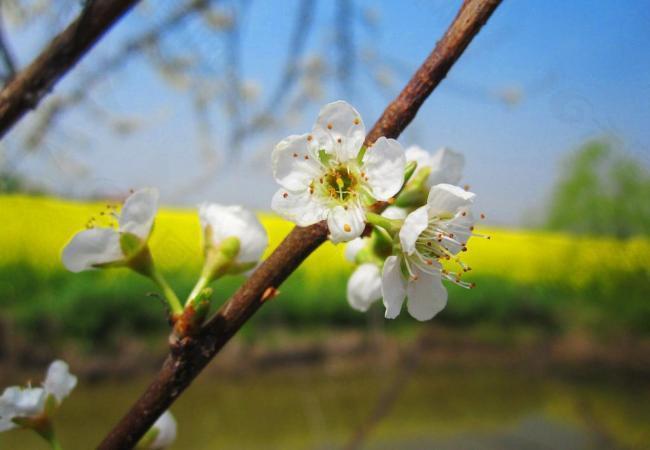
(582, 68)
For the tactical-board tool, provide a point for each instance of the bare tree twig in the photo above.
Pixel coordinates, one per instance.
(55, 109)
(189, 356)
(299, 37)
(6, 54)
(27, 89)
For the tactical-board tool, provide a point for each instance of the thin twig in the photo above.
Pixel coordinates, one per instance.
(54, 110)
(28, 87)
(6, 54)
(189, 356)
(299, 36)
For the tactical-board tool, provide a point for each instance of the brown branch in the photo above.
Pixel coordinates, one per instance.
(189, 356)
(27, 89)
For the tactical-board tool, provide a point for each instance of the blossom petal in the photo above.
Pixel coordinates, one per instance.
(294, 162)
(166, 426)
(340, 130)
(299, 207)
(420, 156)
(395, 212)
(6, 424)
(364, 287)
(346, 224)
(139, 212)
(235, 221)
(352, 248)
(90, 248)
(426, 296)
(18, 402)
(393, 287)
(414, 224)
(59, 381)
(447, 199)
(460, 225)
(446, 167)
(384, 164)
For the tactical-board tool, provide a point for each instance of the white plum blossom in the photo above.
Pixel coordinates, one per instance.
(97, 247)
(438, 230)
(445, 165)
(322, 177)
(165, 428)
(222, 222)
(364, 286)
(24, 403)
(353, 247)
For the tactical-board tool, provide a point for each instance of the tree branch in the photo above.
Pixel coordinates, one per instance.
(6, 54)
(189, 356)
(27, 89)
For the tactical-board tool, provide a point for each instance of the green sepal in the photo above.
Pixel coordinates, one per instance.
(392, 226)
(409, 170)
(51, 405)
(130, 244)
(220, 260)
(148, 439)
(411, 198)
(324, 157)
(361, 154)
(23, 422)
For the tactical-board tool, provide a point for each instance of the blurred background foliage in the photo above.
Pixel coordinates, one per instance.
(601, 191)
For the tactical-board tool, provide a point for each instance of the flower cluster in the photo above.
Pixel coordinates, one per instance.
(329, 174)
(234, 241)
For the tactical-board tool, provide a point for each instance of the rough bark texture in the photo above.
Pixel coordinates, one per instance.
(27, 88)
(189, 357)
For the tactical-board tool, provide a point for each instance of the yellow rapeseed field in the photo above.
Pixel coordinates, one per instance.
(33, 230)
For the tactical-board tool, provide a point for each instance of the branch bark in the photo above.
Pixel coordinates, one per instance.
(188, 357)
(27, 89)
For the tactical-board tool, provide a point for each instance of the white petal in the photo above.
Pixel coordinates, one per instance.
(420, 156)
(299, 207)
(384, 164)
(446, 167)
(352, 248)
(447, 199)
(414, 224)
(89, 248)
(395, 212)
(426, 296)
(346, 224)
(294, 163)
(166, 426)
(393, 287)
(235, 221)
(139, 212)
(460, 227)
(18, 402)
(6, 424)
(364, 287)
(340, 130)
(59, 381)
